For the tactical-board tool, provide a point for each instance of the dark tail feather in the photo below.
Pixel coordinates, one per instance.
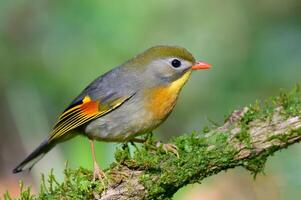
(35, 156)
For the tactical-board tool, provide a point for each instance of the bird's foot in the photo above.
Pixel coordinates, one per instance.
(150, 144)
(98, 174)
(168, 148)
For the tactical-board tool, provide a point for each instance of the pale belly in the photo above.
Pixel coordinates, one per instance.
(128, 121)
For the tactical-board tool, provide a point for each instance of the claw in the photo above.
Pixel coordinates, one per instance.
(99, 174)
(169, 148)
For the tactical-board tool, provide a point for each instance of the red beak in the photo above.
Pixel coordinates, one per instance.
(200, 65)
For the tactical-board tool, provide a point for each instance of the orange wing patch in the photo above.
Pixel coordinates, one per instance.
(76, 116)
(82, 112)
(89, 108)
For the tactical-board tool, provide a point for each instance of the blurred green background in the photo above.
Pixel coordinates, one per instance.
(50, 50)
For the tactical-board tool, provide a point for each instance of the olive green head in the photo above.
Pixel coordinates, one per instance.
(164, 51)
(162, 64)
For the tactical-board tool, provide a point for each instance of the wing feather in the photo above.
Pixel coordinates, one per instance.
(81, 113)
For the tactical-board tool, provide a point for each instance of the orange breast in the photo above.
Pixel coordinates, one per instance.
(162, 100)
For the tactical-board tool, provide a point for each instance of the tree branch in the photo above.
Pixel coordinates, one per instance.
(247, 138)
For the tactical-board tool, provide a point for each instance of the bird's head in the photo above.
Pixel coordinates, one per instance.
(163, 65)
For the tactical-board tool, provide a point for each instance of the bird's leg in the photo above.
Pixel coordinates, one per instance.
(147, 140)
(134, 145)
(97, 172)
(138, 140)
(149, 137)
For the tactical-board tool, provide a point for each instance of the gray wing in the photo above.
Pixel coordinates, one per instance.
(112, 85)
(103, 95)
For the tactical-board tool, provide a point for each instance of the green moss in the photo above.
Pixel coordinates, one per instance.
(244, 137)
(206, 129)
(262, 111)
(281, 138)
(256, 164)
(290, 102)
(285, 138)
(25, 193)
(122, 154)
(76, 185)
(197, 155)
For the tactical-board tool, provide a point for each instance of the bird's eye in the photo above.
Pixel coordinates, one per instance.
(176, 63)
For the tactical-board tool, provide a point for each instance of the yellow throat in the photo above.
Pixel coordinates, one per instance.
(163, 99)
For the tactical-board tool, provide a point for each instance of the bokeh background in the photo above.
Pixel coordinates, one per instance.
(50, 50)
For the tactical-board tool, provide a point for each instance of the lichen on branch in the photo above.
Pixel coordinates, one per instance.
(247, 138)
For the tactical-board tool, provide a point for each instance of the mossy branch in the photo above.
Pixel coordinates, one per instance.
(247, 138)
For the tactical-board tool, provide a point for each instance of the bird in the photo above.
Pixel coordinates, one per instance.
(126, 102)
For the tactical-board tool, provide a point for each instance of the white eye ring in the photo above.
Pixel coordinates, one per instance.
(176, 63)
